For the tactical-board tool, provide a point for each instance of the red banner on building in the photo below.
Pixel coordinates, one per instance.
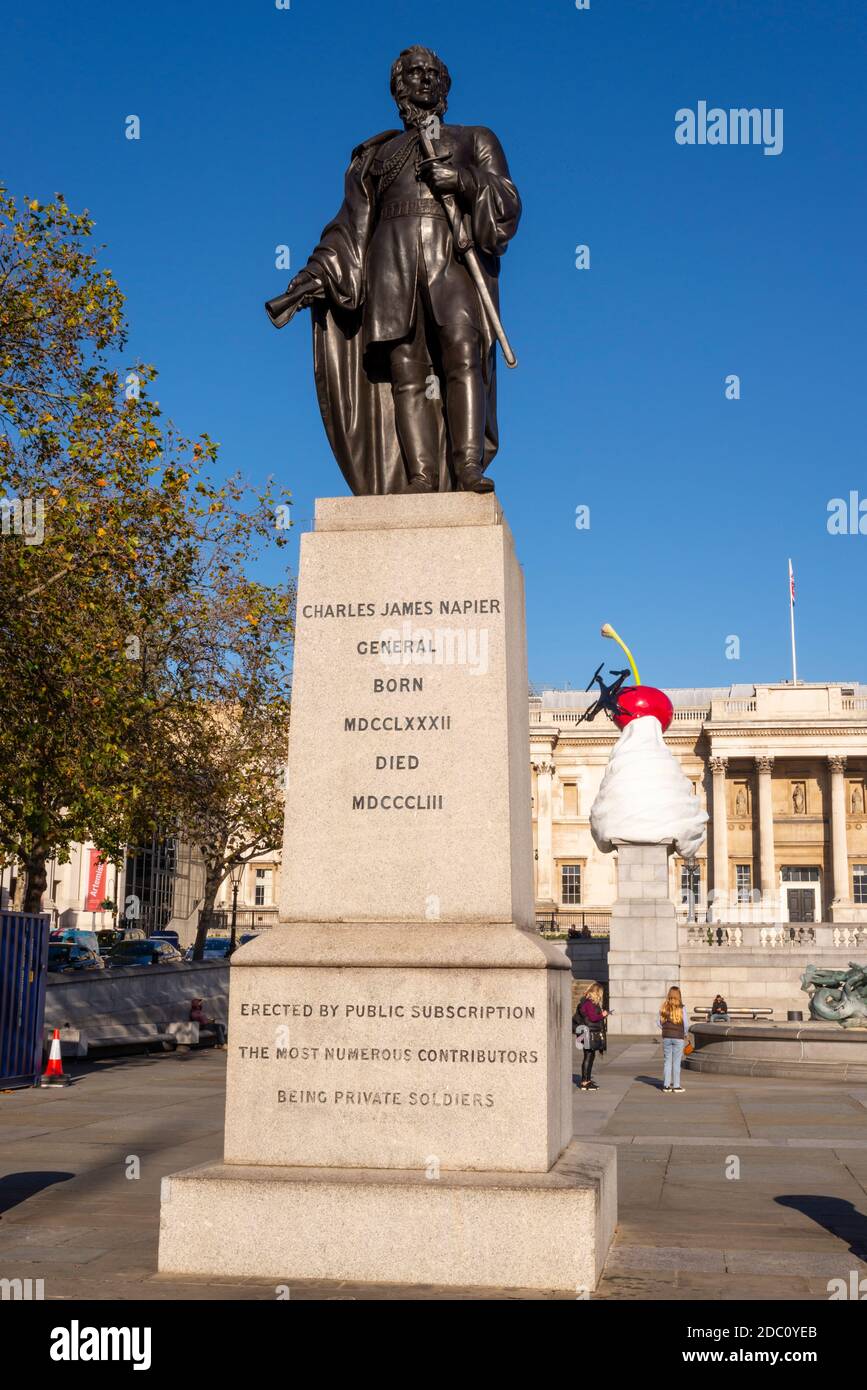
(96, 881)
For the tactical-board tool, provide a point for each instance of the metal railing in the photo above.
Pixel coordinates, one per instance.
(246, 918)
(562, 922)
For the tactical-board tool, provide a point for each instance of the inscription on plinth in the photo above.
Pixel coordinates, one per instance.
(402, 800)
(393, 1069)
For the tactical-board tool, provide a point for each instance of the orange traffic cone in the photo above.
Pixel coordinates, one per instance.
(53, 1074)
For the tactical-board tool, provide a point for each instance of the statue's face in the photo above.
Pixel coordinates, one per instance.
(421, 80)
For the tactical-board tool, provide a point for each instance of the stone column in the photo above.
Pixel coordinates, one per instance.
(719, 910)
(544, 834)
(643, 958)
(839, 851)
(767, 863)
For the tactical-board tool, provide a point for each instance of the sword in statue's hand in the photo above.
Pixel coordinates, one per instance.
(470, 259)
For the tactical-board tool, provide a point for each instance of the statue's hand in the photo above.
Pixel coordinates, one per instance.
(439, 176)
(304, 289)
(299, 294)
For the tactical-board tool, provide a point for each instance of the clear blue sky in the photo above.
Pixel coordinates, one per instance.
(705, 261)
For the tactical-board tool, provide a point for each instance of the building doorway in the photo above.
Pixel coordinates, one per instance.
(801, 905)
(801, 893)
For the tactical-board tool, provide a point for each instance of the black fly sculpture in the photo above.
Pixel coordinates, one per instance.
(607, 695)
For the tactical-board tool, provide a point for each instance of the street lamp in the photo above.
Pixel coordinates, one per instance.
(236, 874)
(691, 894)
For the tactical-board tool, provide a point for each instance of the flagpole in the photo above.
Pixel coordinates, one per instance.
(792, 621)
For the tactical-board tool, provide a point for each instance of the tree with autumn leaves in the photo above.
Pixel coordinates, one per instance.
(143, 667)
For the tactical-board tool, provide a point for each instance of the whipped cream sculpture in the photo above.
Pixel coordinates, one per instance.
(645, 798)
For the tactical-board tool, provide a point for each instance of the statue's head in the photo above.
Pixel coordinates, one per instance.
(420, 84)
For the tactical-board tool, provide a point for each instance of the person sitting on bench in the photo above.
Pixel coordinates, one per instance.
(198, 1015)
(719, 1010)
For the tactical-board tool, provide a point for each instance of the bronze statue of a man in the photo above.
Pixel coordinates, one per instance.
(403, 347)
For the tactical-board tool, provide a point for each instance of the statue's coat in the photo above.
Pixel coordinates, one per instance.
(369, 269)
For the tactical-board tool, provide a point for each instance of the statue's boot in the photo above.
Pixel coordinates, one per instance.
(415, 417)
(466, 408)
(472, 479)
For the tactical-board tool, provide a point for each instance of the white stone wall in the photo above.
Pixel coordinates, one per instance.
(753, 978)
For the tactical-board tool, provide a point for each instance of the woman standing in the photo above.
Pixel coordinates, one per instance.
(674, 1023)
(588, 1025)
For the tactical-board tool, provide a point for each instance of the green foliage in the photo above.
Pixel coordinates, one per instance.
(136, 617)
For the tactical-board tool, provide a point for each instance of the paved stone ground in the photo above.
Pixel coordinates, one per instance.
(794, 1218)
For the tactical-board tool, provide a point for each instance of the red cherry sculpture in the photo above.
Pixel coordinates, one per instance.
(640, 700)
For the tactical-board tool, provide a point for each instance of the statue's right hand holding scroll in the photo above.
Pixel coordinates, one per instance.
(299, 294)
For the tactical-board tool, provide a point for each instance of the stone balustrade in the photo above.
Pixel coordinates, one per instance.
(774, 936)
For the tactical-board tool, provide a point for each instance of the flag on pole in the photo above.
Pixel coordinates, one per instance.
(792, 622)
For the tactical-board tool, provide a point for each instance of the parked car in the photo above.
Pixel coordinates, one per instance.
(109, 937)
(76, 936)
(67, 956)
(248, 936)
(142, 952)
(215, 948)
(128, 929)
(170, 936)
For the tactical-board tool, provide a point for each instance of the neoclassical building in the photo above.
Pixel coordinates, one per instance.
(782, 772)
(158, 885)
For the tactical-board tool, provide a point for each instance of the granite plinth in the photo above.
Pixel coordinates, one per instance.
(394, 1047)
(408, 786)
(398, 1103)
(643, 956)
(488, 1230)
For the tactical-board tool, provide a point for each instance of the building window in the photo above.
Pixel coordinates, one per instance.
(793, 873)
(157, 873)
(570, 884)
(570, 798)
(262, 889)
(859, 883)
(744, 882)
(690, 884)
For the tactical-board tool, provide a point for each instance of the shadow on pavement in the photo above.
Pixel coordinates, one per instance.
(82, 1069)
(839, 1217)
(17, 1187)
